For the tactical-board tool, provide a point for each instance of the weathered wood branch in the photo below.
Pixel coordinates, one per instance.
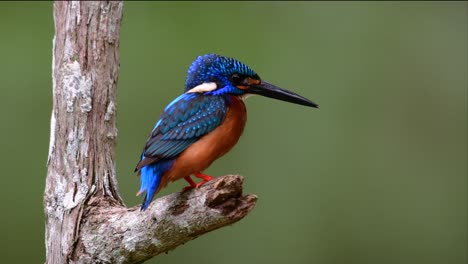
(86, 220)
(170, 221)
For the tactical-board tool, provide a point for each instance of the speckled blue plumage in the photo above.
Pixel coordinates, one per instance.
(188, 118)
(184, 121)
(212, 67)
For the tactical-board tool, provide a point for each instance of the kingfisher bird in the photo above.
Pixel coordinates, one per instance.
(203, 123)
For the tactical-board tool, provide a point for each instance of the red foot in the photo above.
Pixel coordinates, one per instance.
(205, 178)
(191, 182)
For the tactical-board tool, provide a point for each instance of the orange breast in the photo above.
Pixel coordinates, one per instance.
(210, 147)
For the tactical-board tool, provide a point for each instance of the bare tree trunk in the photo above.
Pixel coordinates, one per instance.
(86, 220)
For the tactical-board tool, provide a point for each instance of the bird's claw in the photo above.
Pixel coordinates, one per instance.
(205, 178)
(190, 187)
(200, 184)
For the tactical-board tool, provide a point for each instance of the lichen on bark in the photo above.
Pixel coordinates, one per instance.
(86, 220)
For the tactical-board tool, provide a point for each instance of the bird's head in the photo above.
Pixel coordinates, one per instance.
(215, 74)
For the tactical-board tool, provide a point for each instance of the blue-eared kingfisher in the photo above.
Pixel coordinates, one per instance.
(203, 123)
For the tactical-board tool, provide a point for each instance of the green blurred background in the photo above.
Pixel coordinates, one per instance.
(377, 175)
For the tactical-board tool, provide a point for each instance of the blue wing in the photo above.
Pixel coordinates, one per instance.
(185, 120)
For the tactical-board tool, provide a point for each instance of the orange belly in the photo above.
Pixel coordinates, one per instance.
(210, 147)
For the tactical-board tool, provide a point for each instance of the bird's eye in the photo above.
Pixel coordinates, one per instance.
(236, 78)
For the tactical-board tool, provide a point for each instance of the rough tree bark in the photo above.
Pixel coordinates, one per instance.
(86, 220)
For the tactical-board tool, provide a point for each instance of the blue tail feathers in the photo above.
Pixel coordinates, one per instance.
(150, 178)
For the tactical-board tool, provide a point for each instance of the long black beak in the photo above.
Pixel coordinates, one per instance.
(272, 91)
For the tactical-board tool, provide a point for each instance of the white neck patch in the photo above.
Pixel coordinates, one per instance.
(245, 96)
(204, 87)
